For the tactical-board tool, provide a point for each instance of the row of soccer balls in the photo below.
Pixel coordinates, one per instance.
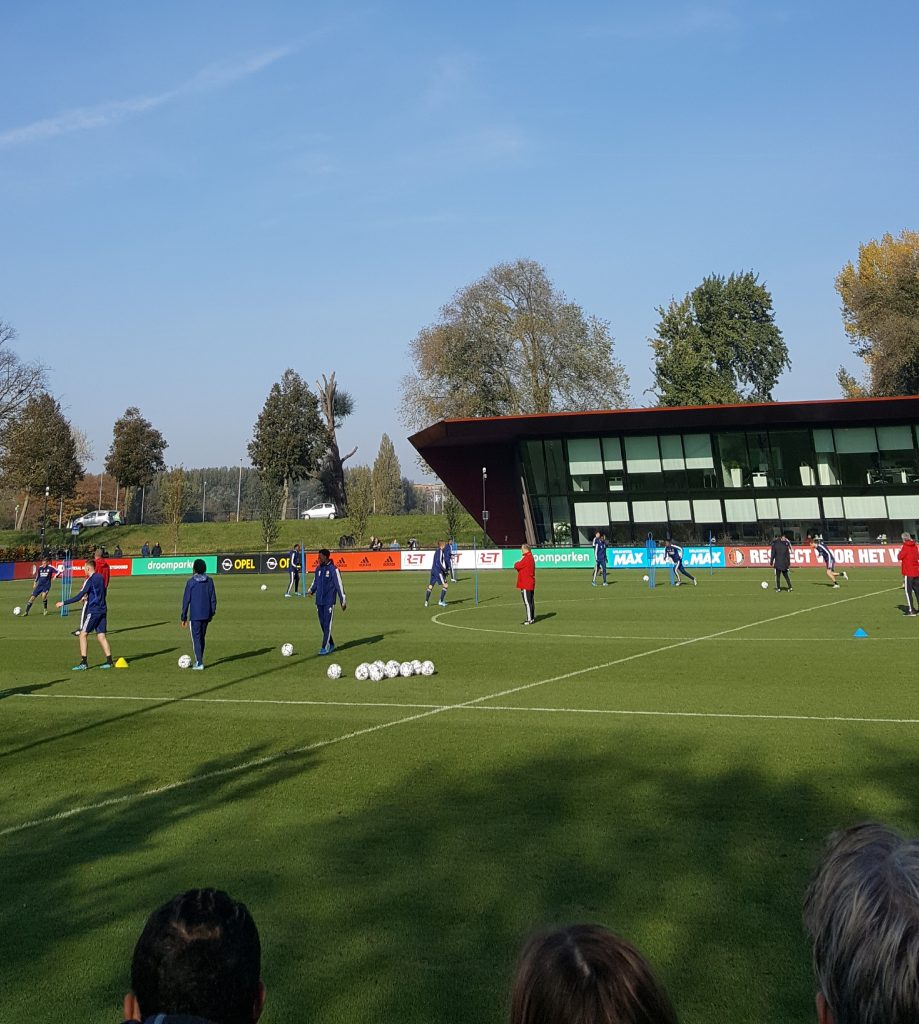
(377, 670)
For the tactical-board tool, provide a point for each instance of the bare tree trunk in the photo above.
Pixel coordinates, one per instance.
(23, 508)
(337, 462)
(286, 498)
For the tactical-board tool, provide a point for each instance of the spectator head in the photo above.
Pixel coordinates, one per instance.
(586, 975)
(199, 567)
(905, 537)
(862, 914)
(198, 955)
(524, 548)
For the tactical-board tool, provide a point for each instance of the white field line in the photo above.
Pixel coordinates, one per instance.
(261, 762)
(520, 709)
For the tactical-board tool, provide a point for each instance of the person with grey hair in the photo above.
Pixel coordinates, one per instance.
(861, 912)
(908, 557)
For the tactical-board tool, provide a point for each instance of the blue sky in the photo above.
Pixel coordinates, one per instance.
(194, 196)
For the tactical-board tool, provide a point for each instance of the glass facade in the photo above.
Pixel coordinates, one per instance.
(846, 483)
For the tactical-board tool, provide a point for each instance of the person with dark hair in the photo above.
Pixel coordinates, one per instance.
(600, 557)
(328, 588)
(199, 606)
(674, 552)
(45, 574)
(585, 974)
(156, 550)
(197, 961)
(438, 578)
(861, 912)
(295, 563)
(95, 617)
(780, 560)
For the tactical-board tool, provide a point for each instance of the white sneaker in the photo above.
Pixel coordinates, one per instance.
(845, 575)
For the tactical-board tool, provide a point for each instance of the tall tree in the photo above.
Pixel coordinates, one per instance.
(175, 502)
(719, 344)
(453, 512)
(136, 454)
(289, 439)
(19, 381)
(270, 495)
(37, 450)
(387, 480)
(880, 310)
(359, 484)
(511, 343)
(336, 405)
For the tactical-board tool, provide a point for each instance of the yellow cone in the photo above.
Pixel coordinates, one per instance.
(121, 663)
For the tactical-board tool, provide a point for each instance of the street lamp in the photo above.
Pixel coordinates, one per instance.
(44, 517)
(484, 503)
(204, 501)
(239, 488)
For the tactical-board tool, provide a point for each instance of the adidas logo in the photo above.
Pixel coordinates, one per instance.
(365, 560)
(389, 561)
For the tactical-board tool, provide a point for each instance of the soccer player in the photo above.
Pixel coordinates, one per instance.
(45, 574)
(599, 558)
(295, 560)
(675, 553)
(451, 552)
(439, 568)
(328, 588)
(105, 571)
(526, 582)
(96, 614)
(780, 560)
(199, 606)
(824, 552)
(908, 556)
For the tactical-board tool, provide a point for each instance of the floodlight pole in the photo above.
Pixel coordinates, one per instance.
(484, 506)
(204, 501)
(44, 518)
(239, 488)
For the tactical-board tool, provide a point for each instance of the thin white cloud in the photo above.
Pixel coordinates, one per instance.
(101, 115)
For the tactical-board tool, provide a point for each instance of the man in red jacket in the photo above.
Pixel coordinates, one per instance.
(526, 582)
(909, 565)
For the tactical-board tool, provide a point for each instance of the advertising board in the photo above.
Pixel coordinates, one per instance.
(179, 565)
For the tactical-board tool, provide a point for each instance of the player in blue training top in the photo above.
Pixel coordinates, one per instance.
(439, 568)
(328, 588)
(824, 552)
(450, 554)
(96, 614)
(295, 560)
(199, 606)
(675, 553)
(599, 558)
(45, 574)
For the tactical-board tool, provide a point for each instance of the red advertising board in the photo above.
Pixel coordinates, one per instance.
(846, 555)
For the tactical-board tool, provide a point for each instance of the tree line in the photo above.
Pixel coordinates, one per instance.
(509, 343)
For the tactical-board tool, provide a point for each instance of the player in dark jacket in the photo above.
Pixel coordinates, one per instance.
(199, 606)
(95, 620)
(675, 553)
(599, 558)
(829, 560)
(44, 576)
(328, 588)
(439, 571)
(780, 560)
(295, 561)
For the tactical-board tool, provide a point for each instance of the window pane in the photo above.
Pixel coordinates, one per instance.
(672, 452)
(619, 512)
(591, 513)
(561, 521)
(856, 439)
(823, 440)
(612, 453)
(894, 438)
(767, 508)
(740, 510)
(735, 465)
(832, 508)
(826, 469)
(556, 474)
(535, 466)
(792, 459)
(865, 507)
(707, 510)
(903, 506)
(799, 508)
(649, 511)
(584, 456)
(642, 455)
(698, 448)
(679, 510)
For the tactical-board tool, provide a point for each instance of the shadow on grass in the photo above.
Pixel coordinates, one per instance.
(150, 654)
(19, 691)
(131, 629)
(257, 653)
(364, 640)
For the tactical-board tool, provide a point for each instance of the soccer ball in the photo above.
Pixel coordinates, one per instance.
(764, 585)
(427, 668)
(381, 665)
(406, 670)
(264, 586)
(645, 579)
(376, 673)
(416, 667)
(362, 671)
(287, 650)
(17, 610)
(392, 669)
(185, 661)
(334, 671)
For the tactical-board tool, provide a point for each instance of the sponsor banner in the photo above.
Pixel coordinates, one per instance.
(465, 560)
(237, 563)
(618, 558)
(118, 567)
(358, 561)
(274, 562)
(178, 565)
(804, 555)
(7, 570)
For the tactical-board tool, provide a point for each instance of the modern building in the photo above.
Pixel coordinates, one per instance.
(846, 469)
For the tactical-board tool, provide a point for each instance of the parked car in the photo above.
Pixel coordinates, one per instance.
(324, 510)
(101, 517)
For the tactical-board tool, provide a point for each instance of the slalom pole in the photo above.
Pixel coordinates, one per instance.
(711, 544)
(650, 548)
(302, 569)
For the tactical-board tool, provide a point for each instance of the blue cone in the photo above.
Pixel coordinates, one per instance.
(860, 633)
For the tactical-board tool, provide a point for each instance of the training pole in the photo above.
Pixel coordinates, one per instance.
(475, 560)
(651, 548)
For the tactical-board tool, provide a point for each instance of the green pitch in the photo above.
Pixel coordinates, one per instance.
(667, 762)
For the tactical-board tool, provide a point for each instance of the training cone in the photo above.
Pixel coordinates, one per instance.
(121, 663)
(859, 633)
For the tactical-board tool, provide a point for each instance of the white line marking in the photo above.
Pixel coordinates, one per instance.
(701, 714)
(165, 701)
(320, 744)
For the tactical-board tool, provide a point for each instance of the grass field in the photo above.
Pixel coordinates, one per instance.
(667, 762)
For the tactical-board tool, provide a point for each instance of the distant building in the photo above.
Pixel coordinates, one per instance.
(847, 468)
